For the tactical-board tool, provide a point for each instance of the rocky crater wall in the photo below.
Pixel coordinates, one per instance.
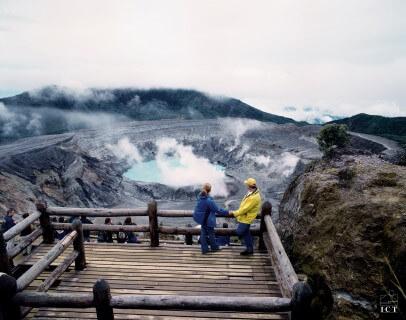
(343, 223)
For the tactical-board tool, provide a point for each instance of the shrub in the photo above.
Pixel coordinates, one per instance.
(346, 176)
(331, 137)
(385, 179)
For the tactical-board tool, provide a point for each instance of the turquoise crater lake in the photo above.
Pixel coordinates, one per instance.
(151, 171)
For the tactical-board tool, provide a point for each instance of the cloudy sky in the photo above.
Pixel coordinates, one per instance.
(302, 59)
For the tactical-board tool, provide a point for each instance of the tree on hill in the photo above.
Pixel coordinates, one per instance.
(331, 137)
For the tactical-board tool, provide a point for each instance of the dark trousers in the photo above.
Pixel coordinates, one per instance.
(207, 238)
(243, 231)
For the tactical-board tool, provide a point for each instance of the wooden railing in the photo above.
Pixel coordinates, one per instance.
(296, 298)
(151, 211)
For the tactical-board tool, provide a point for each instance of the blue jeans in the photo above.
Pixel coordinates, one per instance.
(207, 233)
(243, 231)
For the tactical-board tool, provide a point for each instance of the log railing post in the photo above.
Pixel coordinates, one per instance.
(47, 230)
(5, 265)
(102, 300)
(301, 301)
(8, 309)
(266, 210)
(153, 223)
(78, 245)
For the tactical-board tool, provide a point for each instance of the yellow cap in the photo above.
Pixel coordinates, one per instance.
(250, 182)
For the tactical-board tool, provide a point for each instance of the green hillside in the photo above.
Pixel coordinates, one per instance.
(391, 128)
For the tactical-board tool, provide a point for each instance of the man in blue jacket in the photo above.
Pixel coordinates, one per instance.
(205, 215)
(9, 220)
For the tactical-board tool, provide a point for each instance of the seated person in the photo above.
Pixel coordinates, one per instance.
(131, 236)
(105, 236)
(121, 236)
(223, 240)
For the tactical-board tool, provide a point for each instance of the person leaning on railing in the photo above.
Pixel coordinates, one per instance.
(247, 212)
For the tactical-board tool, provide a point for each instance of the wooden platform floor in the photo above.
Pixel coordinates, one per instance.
(169, 269)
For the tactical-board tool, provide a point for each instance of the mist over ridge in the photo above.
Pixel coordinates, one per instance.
(54, 109)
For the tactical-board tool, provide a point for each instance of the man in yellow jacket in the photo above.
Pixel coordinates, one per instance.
(247, 212)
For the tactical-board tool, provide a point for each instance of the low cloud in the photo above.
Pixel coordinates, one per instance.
(81, 120)
(35, 124)
(314, 115)
(74, 95)
(20, 122)
(323, 114)
(14, 125)
(359, 61)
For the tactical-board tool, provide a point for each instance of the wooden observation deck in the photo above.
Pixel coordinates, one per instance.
(73, 279)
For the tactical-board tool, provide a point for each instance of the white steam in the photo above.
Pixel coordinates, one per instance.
(280, 166)
(261, 159)
(242, 151)
(284, 165)
(237, 127)
(308, 139)
(193, 170)
(124, 149)
(187, 169)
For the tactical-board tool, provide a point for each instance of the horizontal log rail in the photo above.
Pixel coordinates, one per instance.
(145, 228)
(54, 300)
(33, 272)
(16, 230)
(244, 304)
(117, 212)
(96, 212)
(78, 300)
(103, 227)
(196, 231)
(175, 213)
